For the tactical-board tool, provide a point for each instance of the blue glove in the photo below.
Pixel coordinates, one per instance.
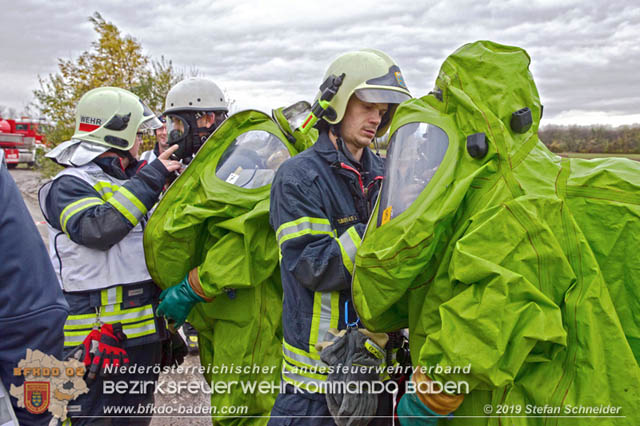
(417, 414)
(177, 301)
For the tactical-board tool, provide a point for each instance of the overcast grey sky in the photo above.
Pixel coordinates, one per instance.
(585, 54)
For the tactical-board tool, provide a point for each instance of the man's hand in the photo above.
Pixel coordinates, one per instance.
(170, 165)
(176, 302)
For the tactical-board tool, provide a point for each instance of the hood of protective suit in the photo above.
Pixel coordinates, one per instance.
(217, 196)
(215, 217)
(492, 250)
(411, 244)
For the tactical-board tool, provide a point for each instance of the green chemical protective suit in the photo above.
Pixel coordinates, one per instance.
(215, 217)
(501, 256)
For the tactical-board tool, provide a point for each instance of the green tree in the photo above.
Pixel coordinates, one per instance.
(113, 60)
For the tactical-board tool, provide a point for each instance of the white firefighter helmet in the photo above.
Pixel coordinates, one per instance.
(373, 76)
(195, 94)
(106, 117)
(111, 116)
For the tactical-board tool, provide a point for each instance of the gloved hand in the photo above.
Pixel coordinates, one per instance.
(357, 353)
(412, 412)
(174, 349)
(85, 351)
(110, 350)
(425, 408)
(177, 301)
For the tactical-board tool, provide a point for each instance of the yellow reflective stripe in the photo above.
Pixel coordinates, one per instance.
(335, 310)
(301, 359)
(326, 315)
(134, 200)
(75, 207)
(123, 210)
(138, 330)
(302, 365)
(349, 243)
(314, 355)
(128, 315)
(298, 380)
(315, 321)
(111, 296)
(74, 338)
(124, 316)
(106, 189)
(355, 237)
(303, 226)
(314, 389)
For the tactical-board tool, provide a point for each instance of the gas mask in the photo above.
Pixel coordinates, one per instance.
(183, 130)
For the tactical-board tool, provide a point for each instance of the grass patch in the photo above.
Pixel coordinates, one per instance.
(589, 156)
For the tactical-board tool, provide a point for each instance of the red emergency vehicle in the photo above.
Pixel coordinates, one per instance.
(20, 140)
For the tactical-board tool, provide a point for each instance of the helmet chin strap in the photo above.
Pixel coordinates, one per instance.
(335, 129)
(124, 154)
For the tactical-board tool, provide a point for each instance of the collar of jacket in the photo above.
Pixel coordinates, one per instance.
(328, 152)
(113, 167)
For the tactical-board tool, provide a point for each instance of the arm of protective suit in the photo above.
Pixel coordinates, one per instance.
(177, 301)
(510, 276)
(422, 407)
(77, 209)
(320, 260)
(244, 256)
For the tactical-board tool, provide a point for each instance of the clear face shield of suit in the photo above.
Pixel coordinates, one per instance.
(416, 151)
(252, 159)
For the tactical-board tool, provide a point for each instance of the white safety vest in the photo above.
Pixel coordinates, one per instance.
(81, 268)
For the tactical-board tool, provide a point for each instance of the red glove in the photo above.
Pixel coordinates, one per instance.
(83, 352)
(110, 350)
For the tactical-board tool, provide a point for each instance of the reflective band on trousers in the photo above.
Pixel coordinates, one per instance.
(132, 331)
(136, 322)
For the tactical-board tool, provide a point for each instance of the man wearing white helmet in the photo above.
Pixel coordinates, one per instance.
(194, 108)
(321, 200)
(96, 210)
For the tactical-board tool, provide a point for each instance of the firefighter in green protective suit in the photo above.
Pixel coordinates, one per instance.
(516, 271)
(211, 235)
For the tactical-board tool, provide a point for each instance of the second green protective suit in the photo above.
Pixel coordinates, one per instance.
(215, 217)
(501, 256)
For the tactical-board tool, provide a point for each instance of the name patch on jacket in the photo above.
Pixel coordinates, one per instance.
(347, 219)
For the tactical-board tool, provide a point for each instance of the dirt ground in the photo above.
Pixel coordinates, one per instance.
(29, 182)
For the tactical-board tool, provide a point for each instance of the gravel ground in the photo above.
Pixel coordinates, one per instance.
(184, 399)
(29, 182)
